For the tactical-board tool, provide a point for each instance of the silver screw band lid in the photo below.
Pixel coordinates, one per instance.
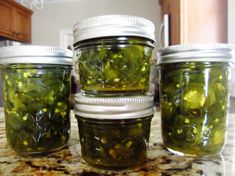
(114, 107)
(113, 25)
(215, 52)
(32, 54)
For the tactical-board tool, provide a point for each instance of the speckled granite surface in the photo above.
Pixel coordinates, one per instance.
(160, 162)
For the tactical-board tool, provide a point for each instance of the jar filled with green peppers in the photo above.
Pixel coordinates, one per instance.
(114, 132)
(194, 96)
(36, 91)
(113, 54)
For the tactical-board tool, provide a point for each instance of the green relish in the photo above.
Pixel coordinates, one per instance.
(114, 144)
(194, 106)
(114, 65)
(37, 108)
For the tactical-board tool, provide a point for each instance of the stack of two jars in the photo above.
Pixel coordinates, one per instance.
(114, 109)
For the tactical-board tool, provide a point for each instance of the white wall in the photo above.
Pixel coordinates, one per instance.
(47, 23)
(231, 37)
(231, 21)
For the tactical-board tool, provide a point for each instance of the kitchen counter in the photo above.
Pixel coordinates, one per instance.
(160, 162)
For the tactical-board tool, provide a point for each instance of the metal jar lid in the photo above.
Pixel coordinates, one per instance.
(217, 52)
(113, 25)
(31, 54)
(114, 107)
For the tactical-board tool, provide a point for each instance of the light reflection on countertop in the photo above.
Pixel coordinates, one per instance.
(160, 162)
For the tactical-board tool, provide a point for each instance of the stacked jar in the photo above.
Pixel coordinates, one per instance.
(36, 90)
(114, 110)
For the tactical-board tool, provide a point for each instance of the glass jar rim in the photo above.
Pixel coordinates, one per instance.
(114, 121)
(114, 40)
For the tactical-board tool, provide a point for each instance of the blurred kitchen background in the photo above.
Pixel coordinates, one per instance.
(50, 22)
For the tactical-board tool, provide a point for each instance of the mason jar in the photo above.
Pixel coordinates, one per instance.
(113, 54)
(36, 90)
(114, 132)
(194, 96)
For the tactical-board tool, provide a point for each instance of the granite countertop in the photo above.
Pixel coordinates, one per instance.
(160, 162)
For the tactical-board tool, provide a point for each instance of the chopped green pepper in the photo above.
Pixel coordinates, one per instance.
(36, 99)
(114, 144)
(194, 102)
(114, 65)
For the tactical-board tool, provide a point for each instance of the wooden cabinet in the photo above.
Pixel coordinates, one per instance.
(194, 21)
(15, 21)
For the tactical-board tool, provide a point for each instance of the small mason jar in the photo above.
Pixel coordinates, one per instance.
(194, 96)
(36, 90)
(113, 54)
(114, 132)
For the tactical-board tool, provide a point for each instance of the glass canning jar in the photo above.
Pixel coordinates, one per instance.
(194, 96)
(113, 54)
(114, 132)
(36, 90)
